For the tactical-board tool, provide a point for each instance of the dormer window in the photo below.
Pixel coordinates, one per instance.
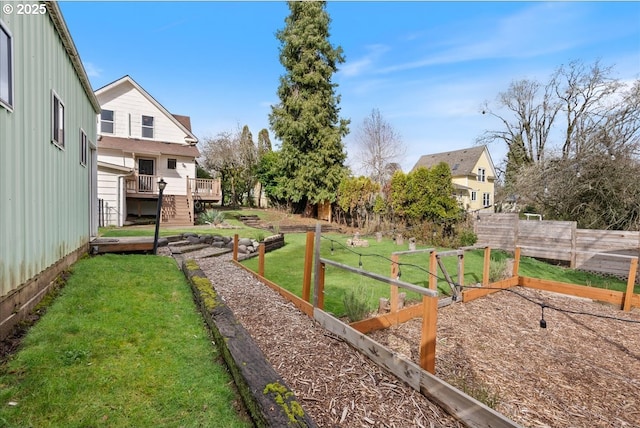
(147, 126)
(482, 175)
(106, 121)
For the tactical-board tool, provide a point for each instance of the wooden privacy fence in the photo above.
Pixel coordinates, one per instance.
(585, 249)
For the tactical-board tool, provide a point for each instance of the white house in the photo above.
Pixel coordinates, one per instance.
(140, 142)
(472, 174)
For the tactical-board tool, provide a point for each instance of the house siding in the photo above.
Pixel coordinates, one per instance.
(45, 192)
(129, 105)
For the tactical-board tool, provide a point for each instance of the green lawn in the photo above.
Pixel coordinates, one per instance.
(122, 345)
(285, 267)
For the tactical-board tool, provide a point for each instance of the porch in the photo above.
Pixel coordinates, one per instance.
(146, 186)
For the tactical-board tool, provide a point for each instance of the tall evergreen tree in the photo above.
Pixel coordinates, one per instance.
(307, 118)
(264, 142)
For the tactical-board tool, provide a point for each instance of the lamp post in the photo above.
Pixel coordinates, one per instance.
(161, 185)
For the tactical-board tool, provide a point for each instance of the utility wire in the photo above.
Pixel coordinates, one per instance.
(454, 284)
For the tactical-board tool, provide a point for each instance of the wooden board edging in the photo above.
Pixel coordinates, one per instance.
(470, 294)
(467, 409)
(600, 294)
(387, 320)
(305, 307)
(268, 399)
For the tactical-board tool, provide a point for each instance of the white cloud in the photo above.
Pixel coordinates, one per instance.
(366, 63)
(92, 70)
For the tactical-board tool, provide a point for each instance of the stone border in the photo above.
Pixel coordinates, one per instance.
(268, 399)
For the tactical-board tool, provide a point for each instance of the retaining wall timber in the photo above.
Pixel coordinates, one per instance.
(268, 399)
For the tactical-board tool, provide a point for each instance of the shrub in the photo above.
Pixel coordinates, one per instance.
(497, 269)
(211, 217)
(355, 304)
(467, 238)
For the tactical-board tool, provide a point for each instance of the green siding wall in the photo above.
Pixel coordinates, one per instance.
(44, 191)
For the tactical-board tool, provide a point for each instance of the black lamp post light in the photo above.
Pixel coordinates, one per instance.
(161, 185)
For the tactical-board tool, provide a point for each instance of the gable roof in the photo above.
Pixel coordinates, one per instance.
(134, 145)
(182, 122)
(461, 162)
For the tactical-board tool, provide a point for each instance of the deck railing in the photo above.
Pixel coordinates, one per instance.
(206, 188)
(143, 184)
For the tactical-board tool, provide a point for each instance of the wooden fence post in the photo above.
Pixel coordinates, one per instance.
(516, 262)
(319, 273)
(308, 263)
(321, 286)
(485, 269)
(429, 330)
(235, 247)
(261, 260)
(631, 282)
(394, 288)
(461, 268)
(433, 270)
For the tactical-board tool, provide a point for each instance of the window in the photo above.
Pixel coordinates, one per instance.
(106, 121)
(57, 121)
(6, 67)
(486, 200)
(83, 148)
(147, 126)
(171, 164)
(481, 174)
(474, 195)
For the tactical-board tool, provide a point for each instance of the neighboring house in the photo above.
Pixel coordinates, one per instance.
(48, 199)
(472, 173)
(139, 143)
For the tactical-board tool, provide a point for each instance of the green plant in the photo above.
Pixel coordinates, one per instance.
(355, 304)
(121, 343)
(467, 238)
(497, 269)
(211, 217)
(259, 236)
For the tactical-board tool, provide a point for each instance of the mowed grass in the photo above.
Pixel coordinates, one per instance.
(122, 345)
(285, 267)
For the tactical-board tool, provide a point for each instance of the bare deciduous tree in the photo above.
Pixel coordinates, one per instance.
(379, 147)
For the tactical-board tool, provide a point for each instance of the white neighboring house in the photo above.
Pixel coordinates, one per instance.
(139, 142)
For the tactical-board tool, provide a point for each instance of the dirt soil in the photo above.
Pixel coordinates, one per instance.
(580, 371)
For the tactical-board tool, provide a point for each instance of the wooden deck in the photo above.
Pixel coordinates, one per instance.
(142, 244)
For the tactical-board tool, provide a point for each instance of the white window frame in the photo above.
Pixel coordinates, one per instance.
(8, 103)
(486, 199)
(474, 195)
(112, 122)
(57, 123)
(175, 163)
(482, 175)
(84, 148)
(147, 126)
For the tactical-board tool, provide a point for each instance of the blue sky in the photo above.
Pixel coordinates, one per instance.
(427, 66)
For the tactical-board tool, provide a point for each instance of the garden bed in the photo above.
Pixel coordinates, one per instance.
(580, 371)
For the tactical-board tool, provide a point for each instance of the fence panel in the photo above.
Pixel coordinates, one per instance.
(590, 250)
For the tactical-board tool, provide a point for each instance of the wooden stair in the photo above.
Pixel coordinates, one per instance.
(176, 211)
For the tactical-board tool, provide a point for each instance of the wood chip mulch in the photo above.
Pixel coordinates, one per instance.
(336, 384)
(580, 371)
